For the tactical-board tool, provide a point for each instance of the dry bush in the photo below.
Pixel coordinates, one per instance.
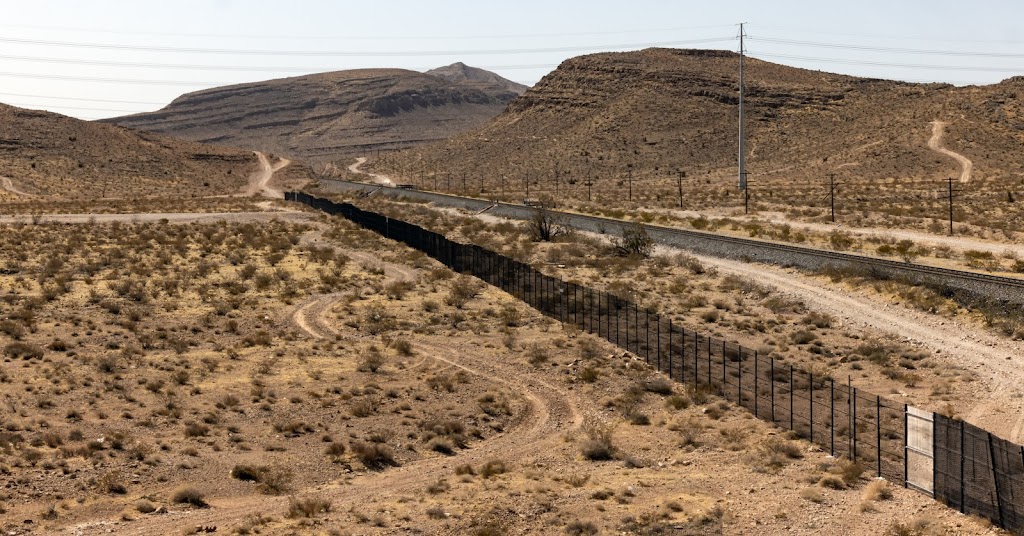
(774, 453)
(372, 360)
(188, 495)
(493, 468)
(307, 507)
(271, 480)
(598, 445)
(374, 456)
(877, 490)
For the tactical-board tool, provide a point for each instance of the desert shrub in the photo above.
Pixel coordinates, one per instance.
(374, 455)
(188, 495)
(372, 360)
(581, 528)
(23, 350)
(463, 289)
(307, 507)
(635, 242)
(377, 320)
(195, 429)
(598, 444)
(588, 374)
(775, 453)
(335, 450)
(493, 468)
(403, 347)
(537, 355)
(877, 490)
(271, 480)
(659, 385)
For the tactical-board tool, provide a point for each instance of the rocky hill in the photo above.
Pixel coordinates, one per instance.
(658, 112)
(47, 154)
(328, 116)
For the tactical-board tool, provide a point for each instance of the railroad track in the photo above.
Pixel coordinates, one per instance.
(998, 288)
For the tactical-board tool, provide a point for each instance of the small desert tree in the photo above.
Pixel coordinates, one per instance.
(907, 250)
(544, 226)
(635, 242)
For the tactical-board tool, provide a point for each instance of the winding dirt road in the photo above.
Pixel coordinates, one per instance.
(6, 184)
(377, 178)
(935, 144)
(259, 181)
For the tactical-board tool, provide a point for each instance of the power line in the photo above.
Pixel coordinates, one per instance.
(64, 107)
(199, 67)
(407, 53)
(114, 80)
(365, 37)
(896, 50)
(81, 99)
(888, 64)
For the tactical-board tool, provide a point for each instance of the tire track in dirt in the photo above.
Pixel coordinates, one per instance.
(935, 144)
(550, 412)
(260, 179)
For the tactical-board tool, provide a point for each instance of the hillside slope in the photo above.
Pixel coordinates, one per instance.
(327, 116)
(47, 154)
(658, 112)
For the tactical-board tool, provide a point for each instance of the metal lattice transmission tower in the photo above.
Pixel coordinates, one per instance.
(742, 133)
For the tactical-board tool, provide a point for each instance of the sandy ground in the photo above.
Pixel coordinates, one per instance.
(171, 217)
(935, 144)
(379, 179)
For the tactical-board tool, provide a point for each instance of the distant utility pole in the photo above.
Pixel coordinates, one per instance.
(743, 143)
(746, 199)
(679, 185)
(590, 184)
(448, 181)
(631, 184)
(463, 183)
(556, 179)
(832, 194)
(502, 186)
(951, 195)
(527, 179)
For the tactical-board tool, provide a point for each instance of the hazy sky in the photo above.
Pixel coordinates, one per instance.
(101, 58)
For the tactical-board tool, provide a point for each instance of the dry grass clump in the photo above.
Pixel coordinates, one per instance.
(188, 495)
(775, 453)
(598, 444)
(307, 507)
(271, 480)
(374, 456)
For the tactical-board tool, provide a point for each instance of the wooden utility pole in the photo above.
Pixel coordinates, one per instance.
(951, 196)
(832, 194)
(631, 184)
(527, 179)
(679, 185)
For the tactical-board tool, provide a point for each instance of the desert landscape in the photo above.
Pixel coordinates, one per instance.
(190, 348)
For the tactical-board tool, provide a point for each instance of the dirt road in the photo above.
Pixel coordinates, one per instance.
(6, 184)
(259, 181)
(935, 144)
(379, 179)
(171, 217)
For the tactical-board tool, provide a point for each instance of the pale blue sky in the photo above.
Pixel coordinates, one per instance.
(49, 56)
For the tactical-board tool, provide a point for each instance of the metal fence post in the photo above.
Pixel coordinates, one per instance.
(658, 338)
(810, 386)
(906, 451)
(962, 506)
(853, 397)
(995, 479)
(670, 348)
(832, 415)
(696, 354)
(791, 427)
(647, 340)
(878, 431)
(739, 377)
(756, 379)
(772, 384)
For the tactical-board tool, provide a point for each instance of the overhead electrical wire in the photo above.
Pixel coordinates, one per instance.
(897, 50)
(324, 53)
(366, 37)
